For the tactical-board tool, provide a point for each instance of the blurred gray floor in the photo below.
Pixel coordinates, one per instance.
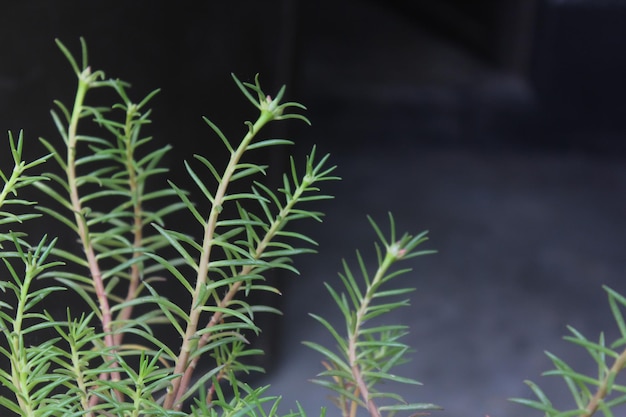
(527, 235)
(525, 242)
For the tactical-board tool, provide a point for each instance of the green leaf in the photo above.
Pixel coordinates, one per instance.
(269, 142)
(614, 299)
(169, 266)
(187, 203)
(80, 290)
(330, 355)
(174, 239)
(69, 56)
(220, 134)
(55, 195)
(411, 407)
(244, 90)
(544, 404)
(341, 340)
(209, 196)
(210, 166)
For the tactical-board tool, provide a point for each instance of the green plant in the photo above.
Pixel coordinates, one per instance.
(109, 359)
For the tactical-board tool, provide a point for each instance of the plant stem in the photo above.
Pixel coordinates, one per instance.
(277, 224)
(81, 223)
(182, 362)
(357, 372)
(135, 193)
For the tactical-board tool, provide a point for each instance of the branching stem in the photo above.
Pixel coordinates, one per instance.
(277, 224)
(182, 363)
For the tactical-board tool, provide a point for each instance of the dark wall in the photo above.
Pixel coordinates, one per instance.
(579, 66)
(188, 50)
(563, 57)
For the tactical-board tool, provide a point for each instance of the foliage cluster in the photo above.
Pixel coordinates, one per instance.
(109, 360)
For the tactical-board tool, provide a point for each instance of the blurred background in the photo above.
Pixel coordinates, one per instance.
(497, 125)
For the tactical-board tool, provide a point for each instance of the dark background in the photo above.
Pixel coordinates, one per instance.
(382, 80)
(552, 68)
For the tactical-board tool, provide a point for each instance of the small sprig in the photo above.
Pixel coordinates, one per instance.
(591, 394)
(250, 242)
(102, 193)
(367, 354)
(28, 376)
(17, 180)
(270, 108)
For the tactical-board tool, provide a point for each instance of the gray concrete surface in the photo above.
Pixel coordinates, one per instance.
(528, 222)
(525, 241)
